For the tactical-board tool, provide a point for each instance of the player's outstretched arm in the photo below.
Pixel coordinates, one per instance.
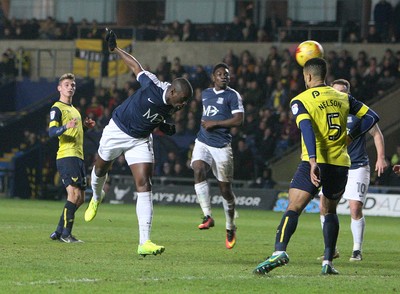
(381, 163)
(129, 60)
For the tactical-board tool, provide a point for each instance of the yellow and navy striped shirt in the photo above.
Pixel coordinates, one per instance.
(71, 141)
(327, 109)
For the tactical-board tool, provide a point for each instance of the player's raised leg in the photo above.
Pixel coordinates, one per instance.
(98, 179)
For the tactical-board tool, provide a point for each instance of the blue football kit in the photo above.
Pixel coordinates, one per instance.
(150, 100)
(219, 105)
(357, 149)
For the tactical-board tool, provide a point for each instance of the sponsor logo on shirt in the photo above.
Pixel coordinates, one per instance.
(210, 110)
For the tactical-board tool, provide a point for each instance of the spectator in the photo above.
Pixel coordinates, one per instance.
(279, 97)
(370, 80)
(396, 23)
(179, 170)
(71, 29)
(243, 163)
(171, 36)
(249, 31)
(167, 170)
(175, 29)
(265, 181)
(120, 167)
(385, 81)
(383, 19)
(164, 68)
(231, 59)
(7, 66)
(271, 26)
(261, 36)
(234, 31)
(253, 94)
(267, 145)
(94, 108)
(47, 29)
(24, 58)
(200, 78)
(177, 69)
(246, 66)
(188, 32)
(94, 31)
(395, 159)
(290, 34)
(372, 36)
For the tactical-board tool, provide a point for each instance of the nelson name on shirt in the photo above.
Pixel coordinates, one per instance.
(330, 103)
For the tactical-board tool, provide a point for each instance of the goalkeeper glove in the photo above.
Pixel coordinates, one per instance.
(111, 39)
(166, 128)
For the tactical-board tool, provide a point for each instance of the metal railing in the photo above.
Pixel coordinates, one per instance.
(48, 63)
(313, 33)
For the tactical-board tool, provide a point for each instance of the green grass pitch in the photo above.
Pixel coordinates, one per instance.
(194, 261)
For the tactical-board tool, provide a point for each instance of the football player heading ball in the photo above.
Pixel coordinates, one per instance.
(307, 50)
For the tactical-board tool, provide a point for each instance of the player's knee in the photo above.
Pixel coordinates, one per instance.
(143, 185)
(200, 175)
(226, 190)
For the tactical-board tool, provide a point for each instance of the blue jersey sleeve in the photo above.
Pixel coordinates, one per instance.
(236, 102)
(308, 137)
(55, 128)
(368, 117)
(305, 125)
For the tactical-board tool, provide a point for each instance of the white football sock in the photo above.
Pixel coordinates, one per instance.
(229, 209)
(203, 196)
(144, 213)
(357, 229)
(322, 218)
(97, 184)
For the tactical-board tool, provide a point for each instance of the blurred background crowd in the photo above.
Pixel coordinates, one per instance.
(266, 84)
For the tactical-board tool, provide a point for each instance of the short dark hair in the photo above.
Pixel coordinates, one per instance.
(67, 76)
(342, 82)
(317, 67)
(219, 65)
(183, 85)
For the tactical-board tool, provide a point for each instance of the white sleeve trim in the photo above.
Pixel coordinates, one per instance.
(162, 85)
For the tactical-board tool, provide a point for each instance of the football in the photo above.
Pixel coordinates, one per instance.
(307, 50)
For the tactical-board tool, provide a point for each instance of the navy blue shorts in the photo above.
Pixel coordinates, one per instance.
(333, 179)
(72, 172)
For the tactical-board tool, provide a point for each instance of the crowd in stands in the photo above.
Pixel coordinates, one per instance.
(384, 28)
(14, 63)
(266, 84)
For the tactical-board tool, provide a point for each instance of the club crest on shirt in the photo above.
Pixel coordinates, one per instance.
(295, 109)
(52, 114)
(220, 100)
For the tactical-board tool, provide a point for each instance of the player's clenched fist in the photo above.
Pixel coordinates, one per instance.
(168, 129)
(111, 39)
